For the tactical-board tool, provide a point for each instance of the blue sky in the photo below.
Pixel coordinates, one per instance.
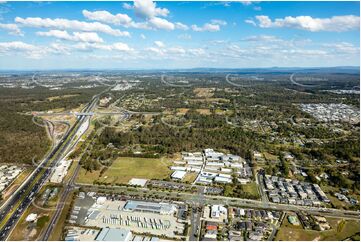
(146, 35)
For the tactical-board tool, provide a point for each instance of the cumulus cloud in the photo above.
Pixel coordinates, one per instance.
(173, 52)
(161, 23)
(266, 38)
(31, 51)
(106, 17)
(159, 44)
(250, 21)
(60, 23)
(246, 3)
(118, 46)
(184, 36)
(218, 21)
(333, 24)
(16, 45)
(11, 28)
(127, 6)
(181, 26)
(213, 26)
(77, 36)
(209, 27)
(147, 9)
(343, 48)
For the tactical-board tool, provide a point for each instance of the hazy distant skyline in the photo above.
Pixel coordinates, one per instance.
(164, 35)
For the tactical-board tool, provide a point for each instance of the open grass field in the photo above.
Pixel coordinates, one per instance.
(203, 92)
(330, 191)
(270, 157)
(190, 177)
(61, 97)
(182, 111)
(337, 233)
(204, 111)
(32, 230)
(125, 168)
(251, 188)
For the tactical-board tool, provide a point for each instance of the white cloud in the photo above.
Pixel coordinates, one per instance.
(121, 47)
(159, 44)
(60, 23)
(77, 36)
(213, 26)
(118, 46)
(176, 51)
(31, 51)
(184, 36)
(333, 24)
(246, 3)
(218, 21)
(148, 9)
(127, 6)
(250, 21)
(249, 3)
(197, 51)
(142, 36)
(59, 48)
(266, 38)
(16, 45)
(161, 23)
(106, 17)
(181, 26)
(343, 48)
(206, 27)
(12, 28)
(155, 50)
(161, 51)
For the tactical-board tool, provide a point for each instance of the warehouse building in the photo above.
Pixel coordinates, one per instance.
(178, 175)
(150, 207)
(111, 234)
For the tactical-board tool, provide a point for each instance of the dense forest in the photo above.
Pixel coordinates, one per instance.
(20, 139)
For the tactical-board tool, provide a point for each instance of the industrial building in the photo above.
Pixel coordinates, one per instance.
(112, 234)
(178, 175)
(60, 171)
(150, 207)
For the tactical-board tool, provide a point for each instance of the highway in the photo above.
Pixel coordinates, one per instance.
(69, 187)
(15, 206)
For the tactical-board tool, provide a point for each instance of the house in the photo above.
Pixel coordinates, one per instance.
(217, 211)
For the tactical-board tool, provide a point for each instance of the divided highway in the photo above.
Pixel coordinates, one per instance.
(15, 206)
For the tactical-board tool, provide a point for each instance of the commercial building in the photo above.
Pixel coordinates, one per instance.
(138, 182)
(217, 211)
(111, 234)
(178, 175)
(60, 171)
(150, 207)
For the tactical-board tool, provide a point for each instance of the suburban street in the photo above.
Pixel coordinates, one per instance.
(208, 199)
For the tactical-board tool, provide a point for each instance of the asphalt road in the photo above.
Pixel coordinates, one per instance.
(15, 206)
(209, 199)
